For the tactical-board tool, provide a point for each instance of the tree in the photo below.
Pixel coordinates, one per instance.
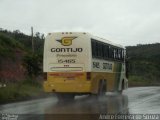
(37, 34)
(32, 63)
(16, 31)
(42, 36)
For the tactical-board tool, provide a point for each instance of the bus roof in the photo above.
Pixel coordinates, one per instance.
(90, 35)
(107, 41)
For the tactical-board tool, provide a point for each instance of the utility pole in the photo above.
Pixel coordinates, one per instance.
(32, 39)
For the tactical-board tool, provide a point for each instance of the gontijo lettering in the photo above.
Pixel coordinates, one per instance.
(66, 50)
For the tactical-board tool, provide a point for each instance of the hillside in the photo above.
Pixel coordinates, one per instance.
(8, 45)
(20, 68)
(17, 61)
(25, 40)
(144, 64)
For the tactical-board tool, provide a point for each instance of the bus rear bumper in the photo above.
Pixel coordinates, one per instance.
(67, 87)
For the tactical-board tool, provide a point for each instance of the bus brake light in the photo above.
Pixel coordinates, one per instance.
(45, 76)
(88, 75)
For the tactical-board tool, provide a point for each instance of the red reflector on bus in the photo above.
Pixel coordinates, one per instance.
(88, 75)
(45, 76)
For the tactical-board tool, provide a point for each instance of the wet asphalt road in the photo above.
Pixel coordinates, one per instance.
(138, 100)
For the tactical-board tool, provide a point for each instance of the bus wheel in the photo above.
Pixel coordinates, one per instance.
(120, 91)
(102, 88)
(122, 88)
(64, 97)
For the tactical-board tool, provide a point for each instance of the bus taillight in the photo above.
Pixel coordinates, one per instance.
(45, 76)
(88, 75)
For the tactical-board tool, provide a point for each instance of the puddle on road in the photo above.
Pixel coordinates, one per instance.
(110, 104)
(90, 106)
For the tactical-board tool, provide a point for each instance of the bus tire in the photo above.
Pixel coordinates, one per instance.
(101, 88)
(122, 88)
(64, 97)
(120, 92)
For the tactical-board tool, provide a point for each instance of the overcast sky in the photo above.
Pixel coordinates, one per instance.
(127, 22)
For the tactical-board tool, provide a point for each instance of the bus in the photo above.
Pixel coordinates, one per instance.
(77, 63)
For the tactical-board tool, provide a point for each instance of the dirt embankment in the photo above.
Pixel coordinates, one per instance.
(11, 68)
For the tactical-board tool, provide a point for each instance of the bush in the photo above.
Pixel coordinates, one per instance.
(32, 63)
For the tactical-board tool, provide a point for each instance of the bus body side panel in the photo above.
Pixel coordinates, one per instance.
(97, 76)
(111, 72)
(103, 70)
(123, 80)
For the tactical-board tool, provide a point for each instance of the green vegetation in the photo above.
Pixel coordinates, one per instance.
(33, 63)
(16, 37)
(142, 81)
(20, 91)
(8, 45)
(15, 47)
(144, 64)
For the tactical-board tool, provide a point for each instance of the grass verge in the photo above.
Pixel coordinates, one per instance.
(141, 81)
(23, 90)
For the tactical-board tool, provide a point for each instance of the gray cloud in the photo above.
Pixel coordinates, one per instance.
(126, 22)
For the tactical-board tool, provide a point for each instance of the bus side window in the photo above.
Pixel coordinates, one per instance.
(93, 48)
(103, 50)
(119, 54)
(100, 49)
(122, 52)
(106, 51)
(96, 49)
(114, 53)
(111, 52)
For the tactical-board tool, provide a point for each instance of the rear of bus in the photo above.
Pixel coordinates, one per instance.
(66, 61)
